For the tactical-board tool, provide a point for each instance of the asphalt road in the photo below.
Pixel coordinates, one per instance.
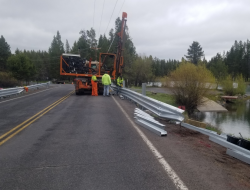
(84, 142)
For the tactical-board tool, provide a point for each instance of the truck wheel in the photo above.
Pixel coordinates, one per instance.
(77, 93)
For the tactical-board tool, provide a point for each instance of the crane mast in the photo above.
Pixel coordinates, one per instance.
(74, 65)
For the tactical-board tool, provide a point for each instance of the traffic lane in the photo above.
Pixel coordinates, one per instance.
(194, 167)
(15, 111)
(84, 143)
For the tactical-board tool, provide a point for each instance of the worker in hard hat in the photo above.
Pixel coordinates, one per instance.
(119, 83)
(94, 85)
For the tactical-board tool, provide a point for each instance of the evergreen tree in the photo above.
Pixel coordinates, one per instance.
(55, 51)
(195, 53)
(237, 59)
(142, 70)
(74, 48)
(103, 44)
(17, 51)
(5, 53)
(218, 67)
(92, 43)
(67, 47)
(21, 67)
(81, 46)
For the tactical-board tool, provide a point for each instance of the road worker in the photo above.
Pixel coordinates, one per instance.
(119, 83)
(94, 85)
(106, 81)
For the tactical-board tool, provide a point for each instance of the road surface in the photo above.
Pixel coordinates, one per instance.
(53, 139)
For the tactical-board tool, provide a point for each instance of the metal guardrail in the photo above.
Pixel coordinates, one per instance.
(159, 108)
(147, 121)
(232, 149)
(170, 112)
(37, 86)
(10, 91)
(14, 91)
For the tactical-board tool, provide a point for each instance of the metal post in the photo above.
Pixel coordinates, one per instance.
(123, 83)
(144, 89)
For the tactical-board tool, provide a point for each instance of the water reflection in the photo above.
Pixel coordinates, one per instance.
(236, 120)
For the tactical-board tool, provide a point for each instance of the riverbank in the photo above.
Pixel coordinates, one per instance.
(236, 120)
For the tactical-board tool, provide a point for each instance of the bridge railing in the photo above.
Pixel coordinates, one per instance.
(159, 108)
(170, 112)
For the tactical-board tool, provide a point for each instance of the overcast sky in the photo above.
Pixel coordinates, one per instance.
(161, 28)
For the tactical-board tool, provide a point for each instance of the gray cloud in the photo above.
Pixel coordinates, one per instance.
(161, 28)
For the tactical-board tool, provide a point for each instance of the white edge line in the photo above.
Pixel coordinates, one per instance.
(24, 96)
(171, 173)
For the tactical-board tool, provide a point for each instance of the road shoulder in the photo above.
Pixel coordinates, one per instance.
(200, 163)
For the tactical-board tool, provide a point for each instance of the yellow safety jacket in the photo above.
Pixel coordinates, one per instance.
(94, 78)
(106, 79)
(119, 81)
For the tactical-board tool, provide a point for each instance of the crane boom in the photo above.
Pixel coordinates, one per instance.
(74, 65)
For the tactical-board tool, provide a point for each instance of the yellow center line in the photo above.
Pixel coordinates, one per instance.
(49, 108)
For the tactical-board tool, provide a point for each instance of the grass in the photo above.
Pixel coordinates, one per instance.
(136, 87)
(214, 97)
(212, 128)
(166, 98)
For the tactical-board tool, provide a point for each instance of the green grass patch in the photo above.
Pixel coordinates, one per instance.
(212, 128)
(136, 87)
(166, 98)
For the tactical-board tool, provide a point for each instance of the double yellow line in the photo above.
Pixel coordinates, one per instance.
(5, 137)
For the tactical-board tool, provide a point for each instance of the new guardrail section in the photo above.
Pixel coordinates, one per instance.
(172, 113)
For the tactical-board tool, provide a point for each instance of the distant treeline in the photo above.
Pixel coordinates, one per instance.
(26, 65)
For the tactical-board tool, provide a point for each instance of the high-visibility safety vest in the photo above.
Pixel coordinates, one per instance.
(106, 79)
(93, 78)
(119, 81)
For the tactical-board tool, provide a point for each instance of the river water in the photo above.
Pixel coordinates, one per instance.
(235, 121)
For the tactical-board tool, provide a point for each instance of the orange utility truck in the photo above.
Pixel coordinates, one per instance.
(74, 65)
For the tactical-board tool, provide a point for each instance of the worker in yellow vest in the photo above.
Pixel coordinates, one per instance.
(106, 81)
(94, 85)
(119, 83)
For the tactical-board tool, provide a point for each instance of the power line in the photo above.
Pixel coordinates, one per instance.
(111, 16)
(121, 7)
(118, 16)
(94, 16)
(101, 16)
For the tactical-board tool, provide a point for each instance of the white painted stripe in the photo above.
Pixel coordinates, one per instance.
(24, 96)
(171, 173)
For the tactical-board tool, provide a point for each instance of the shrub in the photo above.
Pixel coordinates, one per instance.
(7, 80)
(241, 85)
(228, 88)
(227, 85)
(190, 83)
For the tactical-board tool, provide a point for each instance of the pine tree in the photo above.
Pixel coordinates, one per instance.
(195, 53)
(55, 51)
(5, 53)
(67, 47)
(218, 67)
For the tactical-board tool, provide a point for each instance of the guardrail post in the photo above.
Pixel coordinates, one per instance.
(144, 89)
(123, 83)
